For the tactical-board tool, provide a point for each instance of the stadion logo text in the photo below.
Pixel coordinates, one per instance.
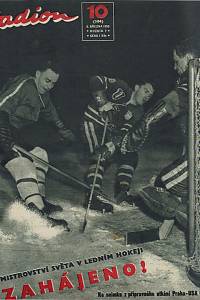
(38, 17)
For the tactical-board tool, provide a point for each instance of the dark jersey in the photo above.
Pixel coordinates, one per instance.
(23, 104)
(182, 91)
(178, 104)
(123, 116)
(117, 91)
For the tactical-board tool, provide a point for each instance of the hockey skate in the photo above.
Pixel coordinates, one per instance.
(52, 221)
(50, 207)
(124, 197)
(98, 203)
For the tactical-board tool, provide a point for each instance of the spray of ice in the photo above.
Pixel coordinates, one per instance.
(32, 223)
(6, 238)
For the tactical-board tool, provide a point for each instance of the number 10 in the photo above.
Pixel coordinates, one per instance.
(99, 11)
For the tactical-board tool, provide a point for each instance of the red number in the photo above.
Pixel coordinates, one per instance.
(99, 11)
(91, 11)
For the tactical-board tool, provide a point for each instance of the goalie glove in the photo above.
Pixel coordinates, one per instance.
(135, 138)
(133, 141)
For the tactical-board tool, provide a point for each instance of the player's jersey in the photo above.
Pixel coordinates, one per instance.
(123, 116)
(20, 99)
(179, 105)
(94, 123)
(117, 91)
(182, 91)
(122, 119)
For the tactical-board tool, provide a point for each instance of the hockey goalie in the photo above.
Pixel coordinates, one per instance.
(168, 195)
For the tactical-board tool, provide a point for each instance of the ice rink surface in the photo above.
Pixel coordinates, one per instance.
(28, 243)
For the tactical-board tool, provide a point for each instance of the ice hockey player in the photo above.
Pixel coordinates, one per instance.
(23, 100)
(173, 178)
(112, 100)
(168, 196)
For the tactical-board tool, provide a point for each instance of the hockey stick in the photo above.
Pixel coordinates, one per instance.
(95, 177)
(64, 174)
(150, 235)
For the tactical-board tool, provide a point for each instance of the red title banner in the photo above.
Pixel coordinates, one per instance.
(38, 17)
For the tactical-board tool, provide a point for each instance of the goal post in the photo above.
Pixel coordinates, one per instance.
(193, 269)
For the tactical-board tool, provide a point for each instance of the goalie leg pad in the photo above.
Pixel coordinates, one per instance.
(182, 218)
(174, 177)
(194, 276)
(162, 203)
(24, 173)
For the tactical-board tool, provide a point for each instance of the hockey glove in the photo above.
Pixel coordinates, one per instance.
(66, 135)
(6, 139)
(116, 137)
(106, 151)
(108, 110)
(134, 139)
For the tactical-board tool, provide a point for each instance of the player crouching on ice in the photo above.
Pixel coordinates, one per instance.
(114, 108)
(22, 101)
(168, 195)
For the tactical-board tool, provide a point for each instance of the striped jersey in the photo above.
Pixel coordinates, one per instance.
(94, 121)
(117, 90)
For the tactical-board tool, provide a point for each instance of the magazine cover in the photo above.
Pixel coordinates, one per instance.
(99, 149)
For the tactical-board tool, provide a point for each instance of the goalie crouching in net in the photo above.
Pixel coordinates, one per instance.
(112, 100)
(172, 182)
(168, 195)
